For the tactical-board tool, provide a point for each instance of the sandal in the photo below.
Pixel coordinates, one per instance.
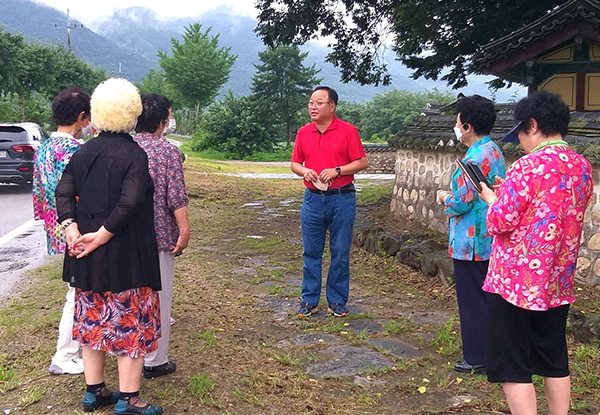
(93, 401)
(125, 408)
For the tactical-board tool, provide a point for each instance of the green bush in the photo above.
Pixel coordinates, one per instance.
(233, 126)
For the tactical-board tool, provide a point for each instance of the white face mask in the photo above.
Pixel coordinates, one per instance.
(86, 130)
(170, 129)
(457, 133)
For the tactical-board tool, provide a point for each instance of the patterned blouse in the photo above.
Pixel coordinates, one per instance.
(537, 222)
(50, 161)
(468, 235)
(166, 169)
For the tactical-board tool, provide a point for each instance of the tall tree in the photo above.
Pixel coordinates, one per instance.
(197, 68)
(427, 35)
(10, 60)
(152, 83)
(283, 83)
(72, 71)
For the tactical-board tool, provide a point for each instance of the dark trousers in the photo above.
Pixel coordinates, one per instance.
(472, 308)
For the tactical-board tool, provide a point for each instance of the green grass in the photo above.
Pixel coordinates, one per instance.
(8, 379)
(208, 336)
(201, 386)
(447, 340)
(374, 192)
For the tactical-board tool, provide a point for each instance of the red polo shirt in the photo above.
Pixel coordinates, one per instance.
(337, 146)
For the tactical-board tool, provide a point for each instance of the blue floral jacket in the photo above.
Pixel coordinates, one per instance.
(468, 236)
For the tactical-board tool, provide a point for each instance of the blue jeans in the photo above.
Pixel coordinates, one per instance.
(320, 213)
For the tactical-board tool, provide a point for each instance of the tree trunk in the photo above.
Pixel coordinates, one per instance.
(197, 110)
(289, 133)
(22, 96)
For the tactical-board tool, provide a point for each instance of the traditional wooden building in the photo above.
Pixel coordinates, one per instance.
(559, 52)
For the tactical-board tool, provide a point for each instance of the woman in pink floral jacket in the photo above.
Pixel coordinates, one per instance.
(536, 218)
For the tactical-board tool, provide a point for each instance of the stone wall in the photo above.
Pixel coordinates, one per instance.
(382, 159)
(420, 173)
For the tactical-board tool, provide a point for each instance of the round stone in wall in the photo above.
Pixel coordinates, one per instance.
(583, 265)
(597, 268)
(594, 243)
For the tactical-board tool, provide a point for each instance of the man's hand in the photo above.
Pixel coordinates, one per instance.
(311, 176)
(328, 175)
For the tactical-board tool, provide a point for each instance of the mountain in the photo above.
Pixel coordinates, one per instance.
(46, 25)
(129, 41)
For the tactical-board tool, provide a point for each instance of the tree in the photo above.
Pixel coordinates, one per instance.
(426, 35)
(234, 126)
(389, 114)
(152, 83)
(350, 112)
(283, 83)
(72, 71)
(32, 68)
(10, 60)
(197, 68)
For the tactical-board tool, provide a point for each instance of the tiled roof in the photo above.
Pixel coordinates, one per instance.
(587, 10)
(584, 126)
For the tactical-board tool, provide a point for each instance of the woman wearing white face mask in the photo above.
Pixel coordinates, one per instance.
(172, 126)
(469, 243)
(71, 113)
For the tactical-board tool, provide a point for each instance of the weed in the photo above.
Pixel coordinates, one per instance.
(170, 392)
(248, 398)
(201, 386)
(395, 326)
(31, 396)
(366, 397)
(363, 335)
(446, 339)
(8, 380)
(282, 358)
(333, 326)
(208, 336)
(274, 290)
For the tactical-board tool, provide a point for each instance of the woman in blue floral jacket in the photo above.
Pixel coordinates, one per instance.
(469, 242)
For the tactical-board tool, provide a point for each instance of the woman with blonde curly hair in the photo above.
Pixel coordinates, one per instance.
(105, 206)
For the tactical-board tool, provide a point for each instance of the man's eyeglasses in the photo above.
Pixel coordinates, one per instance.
(318, 104)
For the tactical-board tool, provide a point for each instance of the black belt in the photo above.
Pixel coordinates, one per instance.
(345, 189)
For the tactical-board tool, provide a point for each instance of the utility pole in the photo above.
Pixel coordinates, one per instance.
(69, 27)
(119, 74)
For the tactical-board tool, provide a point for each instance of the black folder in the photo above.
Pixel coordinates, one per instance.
(473, 175)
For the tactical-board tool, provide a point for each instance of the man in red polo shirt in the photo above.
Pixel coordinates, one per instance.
(327, 153)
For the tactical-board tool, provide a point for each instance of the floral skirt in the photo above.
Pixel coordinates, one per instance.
(122, 324)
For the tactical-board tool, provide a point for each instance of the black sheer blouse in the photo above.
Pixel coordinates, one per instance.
(107, 183)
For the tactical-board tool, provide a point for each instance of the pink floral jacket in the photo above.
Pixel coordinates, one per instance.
(536, 223)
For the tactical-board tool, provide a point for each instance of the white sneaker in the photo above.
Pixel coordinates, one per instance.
(69, 367)
(172, 321)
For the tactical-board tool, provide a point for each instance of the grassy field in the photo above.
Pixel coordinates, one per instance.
(244, 263)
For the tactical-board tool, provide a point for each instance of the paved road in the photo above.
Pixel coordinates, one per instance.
(22, 240)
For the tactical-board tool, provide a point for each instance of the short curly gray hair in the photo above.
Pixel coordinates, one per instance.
(116, 105)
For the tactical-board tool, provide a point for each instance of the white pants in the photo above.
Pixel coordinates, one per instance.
(66, 347)
(167, 275)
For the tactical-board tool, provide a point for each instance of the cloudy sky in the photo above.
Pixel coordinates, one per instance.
(84, 10)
